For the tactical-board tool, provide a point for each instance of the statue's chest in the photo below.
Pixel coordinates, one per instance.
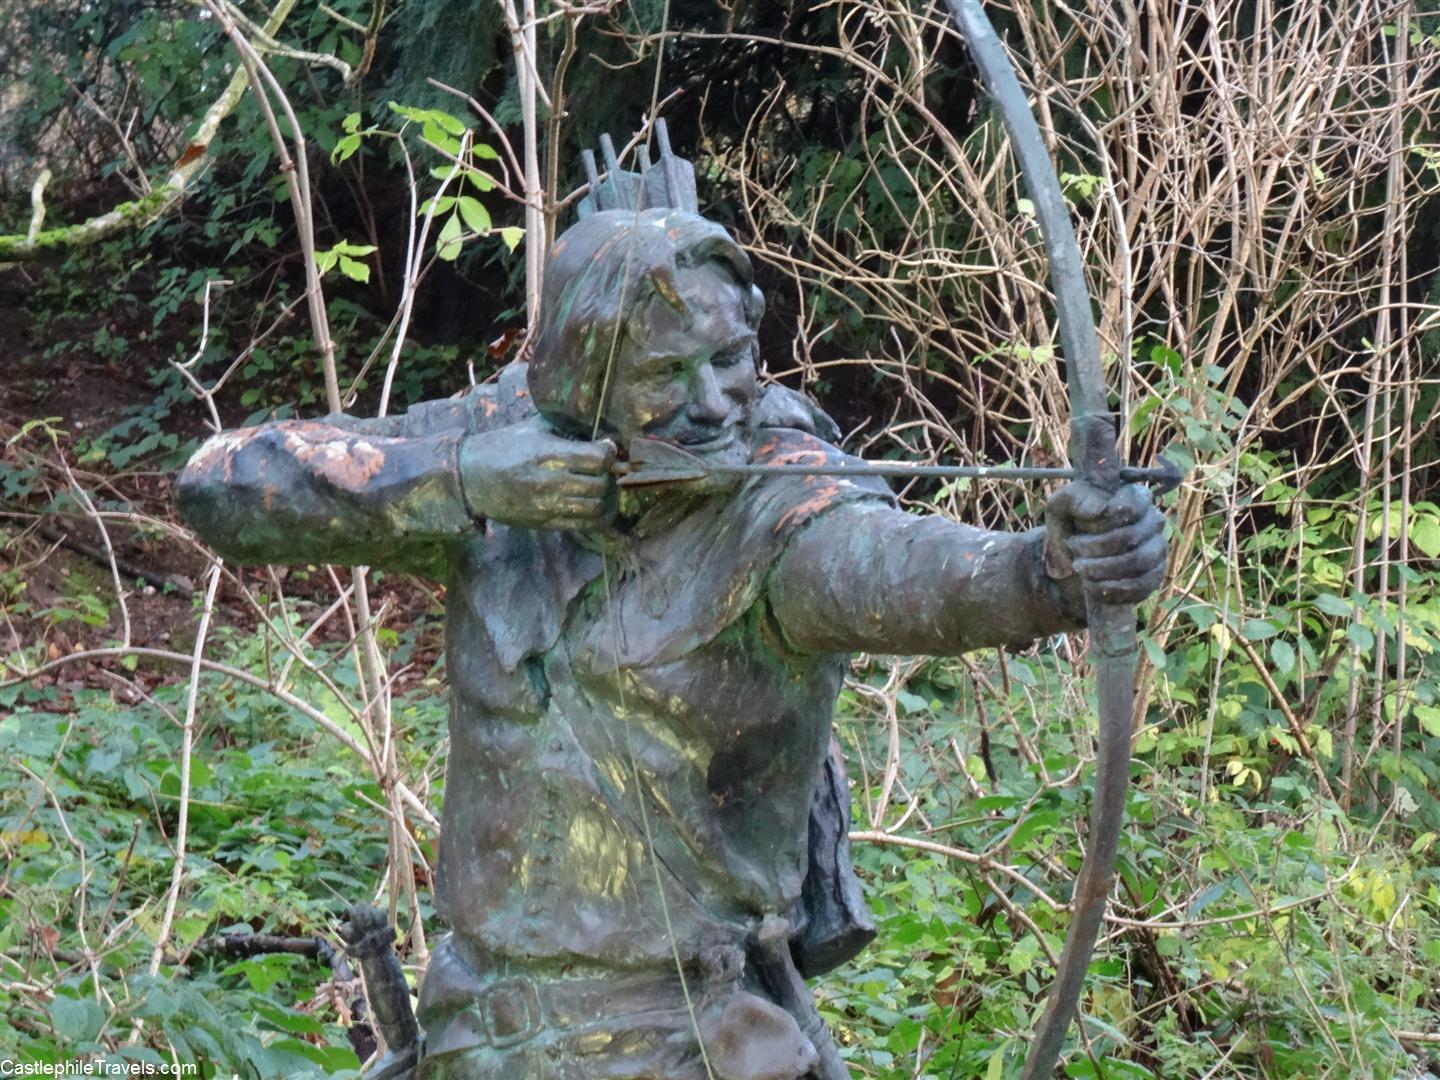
(736, 693)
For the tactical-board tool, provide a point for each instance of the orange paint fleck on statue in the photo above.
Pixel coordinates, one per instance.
(824, 495)
(801, 457)
(347, 463)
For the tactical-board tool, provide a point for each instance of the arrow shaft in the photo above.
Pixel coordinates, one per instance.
(1128, 474)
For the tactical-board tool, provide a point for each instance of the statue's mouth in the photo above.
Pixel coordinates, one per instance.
(708, 442)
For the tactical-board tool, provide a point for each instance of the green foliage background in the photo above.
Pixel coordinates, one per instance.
(1260, 224)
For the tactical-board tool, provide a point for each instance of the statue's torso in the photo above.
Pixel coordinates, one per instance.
(599, 712)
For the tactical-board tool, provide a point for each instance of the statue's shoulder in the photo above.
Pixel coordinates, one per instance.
(795, 446)
(783, 502)
(500, 402)
(781, 407)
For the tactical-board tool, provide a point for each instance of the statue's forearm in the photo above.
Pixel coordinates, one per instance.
(307, 491)
(879, 580)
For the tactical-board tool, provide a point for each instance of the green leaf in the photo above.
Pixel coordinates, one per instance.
(1259, 630)
(344, 148)
(1207, 896)
(436, 137)
(434, 118)
(1153, 652)
(1429, 718)
(351, 123)
(290, 1020)
(1362, 636)
(1331, 604)
(1425, 535)
(477, 218)
(447, 246)
(1025, 206)
(355, 270)
(75, 1019)
(442, 205)
(512, 236)
(1030, 825)
(485, 152)
(1283, 653)
(1023, 955)
(452, 124)
(911, 703)
(1140, 415)
(1166, 357)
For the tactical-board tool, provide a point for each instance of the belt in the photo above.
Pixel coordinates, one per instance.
(509, 1008)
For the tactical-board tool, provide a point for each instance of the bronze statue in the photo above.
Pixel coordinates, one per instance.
(643, 852)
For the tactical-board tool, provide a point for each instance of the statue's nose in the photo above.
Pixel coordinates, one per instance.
(707, 402)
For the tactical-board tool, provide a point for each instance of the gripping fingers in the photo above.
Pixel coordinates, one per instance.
(579, 506)
(1132, 590)
(579, 485)
(591, 459)
(1142, 560)
(568, 511)
(1127, 506)
(1117, 541)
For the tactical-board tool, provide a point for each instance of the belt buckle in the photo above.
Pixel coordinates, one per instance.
(511, 1011)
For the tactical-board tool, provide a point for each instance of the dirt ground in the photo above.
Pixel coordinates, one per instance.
(53, 556)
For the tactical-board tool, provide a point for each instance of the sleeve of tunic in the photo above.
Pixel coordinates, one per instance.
(870, 577)
(382, 492)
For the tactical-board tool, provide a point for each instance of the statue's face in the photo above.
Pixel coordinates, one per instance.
(687, 374)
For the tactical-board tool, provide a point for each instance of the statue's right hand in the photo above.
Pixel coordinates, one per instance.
(531, 476)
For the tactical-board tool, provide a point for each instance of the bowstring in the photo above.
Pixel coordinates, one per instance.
(616, 629)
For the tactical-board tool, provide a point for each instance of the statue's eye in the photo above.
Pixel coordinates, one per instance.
(728, 359)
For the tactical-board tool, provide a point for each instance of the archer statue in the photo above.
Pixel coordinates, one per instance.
(643, 851)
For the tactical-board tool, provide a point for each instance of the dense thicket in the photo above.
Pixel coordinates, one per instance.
(1255, 186)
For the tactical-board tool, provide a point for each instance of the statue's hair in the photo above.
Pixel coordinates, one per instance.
(602, 275)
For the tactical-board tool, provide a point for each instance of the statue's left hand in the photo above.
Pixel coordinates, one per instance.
(1114, 542)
